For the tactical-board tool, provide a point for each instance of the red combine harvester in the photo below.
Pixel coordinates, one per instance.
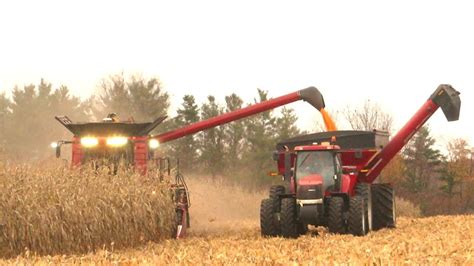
(330, 176)
(132, 144)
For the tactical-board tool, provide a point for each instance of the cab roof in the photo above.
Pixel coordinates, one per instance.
(318, 148)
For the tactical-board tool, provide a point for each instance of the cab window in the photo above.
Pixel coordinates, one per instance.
(315, 162)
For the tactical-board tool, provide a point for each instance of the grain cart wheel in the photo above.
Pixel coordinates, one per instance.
(336, 223)
(365, 190)
(357, 222)
(383, 204)
(267, 219)
(288, 221)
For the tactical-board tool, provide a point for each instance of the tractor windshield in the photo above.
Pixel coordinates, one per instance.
(315, 162)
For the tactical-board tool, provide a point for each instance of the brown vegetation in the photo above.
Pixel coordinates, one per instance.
(58, 210)
(225, 230)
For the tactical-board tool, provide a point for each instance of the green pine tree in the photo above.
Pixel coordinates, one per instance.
(31, 126)
(211, 141)
(135, 98)
(186, 148)
(286, 124)
(233, 135)
(422, 160)
(260, 136)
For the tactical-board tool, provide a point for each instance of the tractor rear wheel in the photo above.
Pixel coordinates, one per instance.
(336, 223)
(267, 218)
(357, 222)
(383, 203)
(288, 220)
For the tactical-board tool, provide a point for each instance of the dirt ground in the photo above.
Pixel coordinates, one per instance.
(225, 230)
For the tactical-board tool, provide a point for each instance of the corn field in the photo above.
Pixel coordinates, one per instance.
(62, 211)
(224, 228)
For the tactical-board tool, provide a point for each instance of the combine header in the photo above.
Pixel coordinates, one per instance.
(330, 176)
(132, 144)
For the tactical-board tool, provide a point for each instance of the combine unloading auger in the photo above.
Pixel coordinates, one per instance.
(310, 95)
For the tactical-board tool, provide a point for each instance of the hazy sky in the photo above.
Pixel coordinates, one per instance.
(394, 53)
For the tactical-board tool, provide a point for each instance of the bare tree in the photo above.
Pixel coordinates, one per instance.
(369, 116)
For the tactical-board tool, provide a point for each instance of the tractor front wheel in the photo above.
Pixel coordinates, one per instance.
(358, 222)
(336, 222)
(288, 219)
(267, 218)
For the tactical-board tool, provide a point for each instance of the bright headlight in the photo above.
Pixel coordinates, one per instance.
(54, 145)
(89, 142)
(117, 141)
(153, 144)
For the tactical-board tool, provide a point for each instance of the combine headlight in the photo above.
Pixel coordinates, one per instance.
(117, 141)
(54, 145)
(89, 142)
(153, 144)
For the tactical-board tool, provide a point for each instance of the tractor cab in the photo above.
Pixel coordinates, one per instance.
(317, 171)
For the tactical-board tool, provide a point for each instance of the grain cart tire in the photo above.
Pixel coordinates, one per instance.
(357, 221)
(267, 219)
(288, 221)
(365, 190)
(383, 204)
(336, 223)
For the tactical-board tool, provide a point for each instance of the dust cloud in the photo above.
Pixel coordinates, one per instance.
(220, 208)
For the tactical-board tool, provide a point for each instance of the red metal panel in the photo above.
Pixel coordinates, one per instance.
(140, 149)
(77, 153)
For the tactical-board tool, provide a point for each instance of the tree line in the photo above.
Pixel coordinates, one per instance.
(241, 151)
(242, 148)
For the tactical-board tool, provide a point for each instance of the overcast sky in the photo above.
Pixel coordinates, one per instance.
(393, 53)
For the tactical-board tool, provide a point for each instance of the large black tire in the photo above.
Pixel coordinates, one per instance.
(383, 204)
(274, 195)
(288, 220)
(336, 222)
(365, 191)
(357, 221)
(267, 219)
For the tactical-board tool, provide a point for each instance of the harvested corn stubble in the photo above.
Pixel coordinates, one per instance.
(59, 210)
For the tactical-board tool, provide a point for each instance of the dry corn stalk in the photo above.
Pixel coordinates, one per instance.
(66, 211)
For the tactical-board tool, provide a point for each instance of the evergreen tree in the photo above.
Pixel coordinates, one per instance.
(211, 140)
(421, 161)
(233, 134)
(286, 124)
(186, 148)
(4, 116)
(138, 98)
(456, 166)
(260, 142)
(31, 126)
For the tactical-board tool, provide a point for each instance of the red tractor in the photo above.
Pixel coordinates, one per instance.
(132, 144)
(330, 177)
